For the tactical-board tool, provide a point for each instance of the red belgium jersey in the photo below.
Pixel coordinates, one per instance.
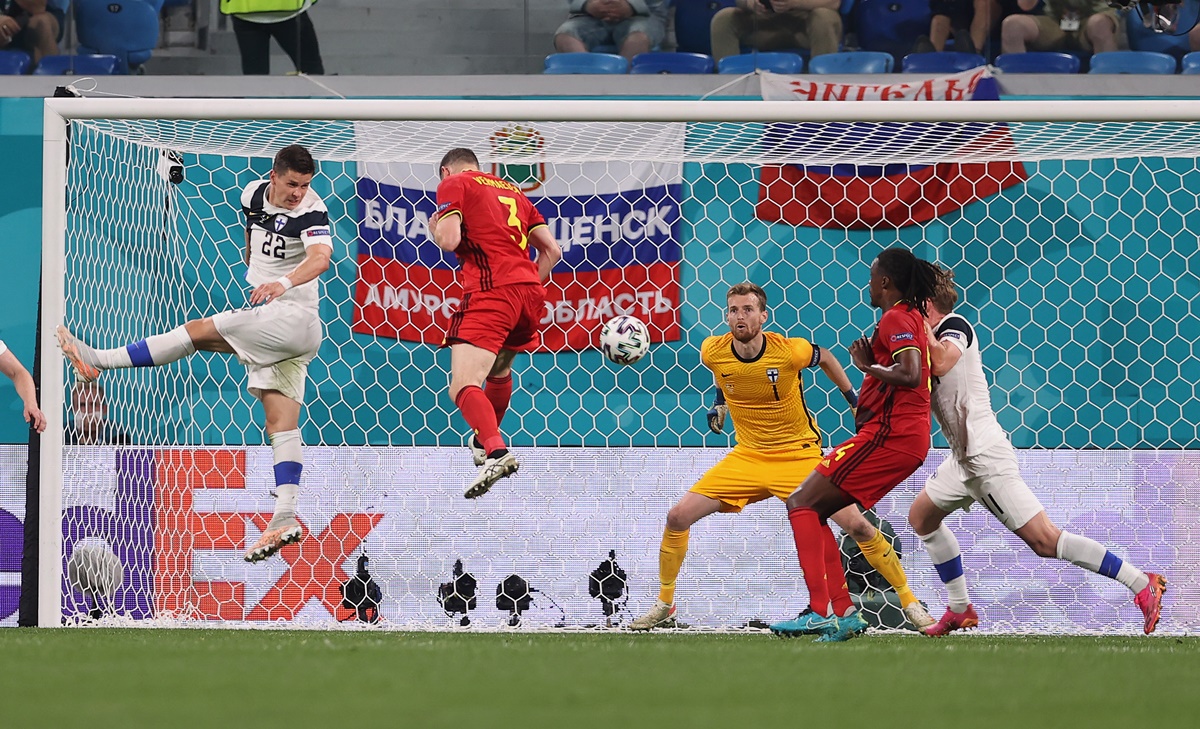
(899, 415)
(496, 221)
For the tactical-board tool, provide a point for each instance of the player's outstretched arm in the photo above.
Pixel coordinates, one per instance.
(549, 252)
(315, 263)
(943, 355)
(12, 367)
(837, 374)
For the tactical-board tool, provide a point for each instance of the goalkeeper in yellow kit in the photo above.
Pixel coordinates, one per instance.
(757, 375)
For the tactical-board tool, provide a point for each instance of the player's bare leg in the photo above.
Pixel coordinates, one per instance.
(879, 553)
(160, 349)
(469, 366)
(1047, 540)
(283, 428)
(687, 511)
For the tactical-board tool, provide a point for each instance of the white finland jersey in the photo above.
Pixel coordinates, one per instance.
(961, 401)
(279, 237)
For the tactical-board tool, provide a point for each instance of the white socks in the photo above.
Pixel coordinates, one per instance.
(159, 349)
(943, 550)
(1091, 555)
(289, 463)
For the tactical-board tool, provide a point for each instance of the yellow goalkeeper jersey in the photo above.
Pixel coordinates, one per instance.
(764, 394)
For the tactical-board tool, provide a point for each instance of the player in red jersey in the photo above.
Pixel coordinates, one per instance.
(891, 443)
(490, 225)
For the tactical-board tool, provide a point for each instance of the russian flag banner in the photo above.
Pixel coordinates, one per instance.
(893, 194)
(617, 222)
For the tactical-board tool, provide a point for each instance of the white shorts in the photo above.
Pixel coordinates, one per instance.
(991, 478)
(275, 342)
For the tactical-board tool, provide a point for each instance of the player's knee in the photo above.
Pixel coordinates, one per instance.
(1044, 546)
(677, 520)
(860, 530)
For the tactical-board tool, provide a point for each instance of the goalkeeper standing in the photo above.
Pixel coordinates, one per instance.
(757, 374)
(288, 247)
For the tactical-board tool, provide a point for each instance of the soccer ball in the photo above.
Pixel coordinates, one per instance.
(624, 339)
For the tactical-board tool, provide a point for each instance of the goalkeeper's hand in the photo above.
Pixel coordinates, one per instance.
(718, 413)
(851, 396)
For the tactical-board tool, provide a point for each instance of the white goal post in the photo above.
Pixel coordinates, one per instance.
(679, 188)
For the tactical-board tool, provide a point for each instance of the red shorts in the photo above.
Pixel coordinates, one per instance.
(506, 317)
(866, 469)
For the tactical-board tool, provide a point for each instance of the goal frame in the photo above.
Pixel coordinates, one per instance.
(60, 112)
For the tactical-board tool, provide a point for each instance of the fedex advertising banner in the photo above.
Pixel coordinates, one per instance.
(618, 223)
(179, 521)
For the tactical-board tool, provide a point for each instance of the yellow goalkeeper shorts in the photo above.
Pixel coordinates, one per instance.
(746, 476)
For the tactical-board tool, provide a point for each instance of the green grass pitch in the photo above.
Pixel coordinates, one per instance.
(348, 679)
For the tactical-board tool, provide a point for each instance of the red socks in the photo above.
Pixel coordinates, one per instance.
(835, 575)
(810, 547)
(498, 392)
(480, 415)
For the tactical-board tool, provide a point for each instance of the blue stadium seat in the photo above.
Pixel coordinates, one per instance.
(1141, 62)
(1191, 63)
(852, 62)
(594, 63)
(666, 62)
(97, 65)
(891, 26)
(766, 61)
(1142, 38)
(693, 21)
(128, 29)
(1037, 62)
(944, 62)
(14, 63)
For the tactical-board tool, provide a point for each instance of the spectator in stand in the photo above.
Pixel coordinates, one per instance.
(89, 423)
(769, 25)
(256, 22)
(1087, 25)
(970, 22)
(33, 26)
(633, 26)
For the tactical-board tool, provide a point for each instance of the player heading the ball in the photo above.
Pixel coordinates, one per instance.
(758, 379)
(982, 468)
(490, 225)
(288, 247)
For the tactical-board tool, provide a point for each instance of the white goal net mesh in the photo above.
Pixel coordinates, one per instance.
(1073, 243)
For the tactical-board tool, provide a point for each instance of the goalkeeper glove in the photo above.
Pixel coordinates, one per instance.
(716, 416)
(851, 396)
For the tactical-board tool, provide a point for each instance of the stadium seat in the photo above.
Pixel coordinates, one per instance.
(693, 21)
(128, 30)
(1141, 62)
(944, 62)
(14, 63)
(1142, 38)
(750, 62)
(665, 62)
(1191, 63)
(96, 65)
(1037, 62)
(891, 26)
(852, 62)
(593, 63)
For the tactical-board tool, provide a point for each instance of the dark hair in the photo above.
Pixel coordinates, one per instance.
(294, 158)
(915, 279)
(945, 295)
(459, 154)
(744, 289)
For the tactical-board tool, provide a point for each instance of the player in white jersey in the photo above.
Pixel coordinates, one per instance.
(982, 467)
(288, 247)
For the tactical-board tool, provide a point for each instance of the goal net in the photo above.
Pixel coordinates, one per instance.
(1071, 231)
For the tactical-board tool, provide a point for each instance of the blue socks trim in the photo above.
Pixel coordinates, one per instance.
(288, 472)
(1111, 565)
(951, 570)
(139, 354)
